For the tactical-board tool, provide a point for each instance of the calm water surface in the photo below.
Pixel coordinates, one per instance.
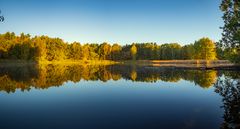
(117, 97)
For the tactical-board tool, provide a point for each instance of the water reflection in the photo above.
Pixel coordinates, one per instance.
(229, 88)
(225, 83)
(45, 76)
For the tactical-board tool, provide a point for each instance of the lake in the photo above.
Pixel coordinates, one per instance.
(118, 97)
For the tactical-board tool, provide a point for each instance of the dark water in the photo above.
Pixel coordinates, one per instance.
(118, 97)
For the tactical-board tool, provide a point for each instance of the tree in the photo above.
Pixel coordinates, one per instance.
(41, 50)
(104, 50)
(187, 52)
(125, 53)
(94, 51)
(7, 41)
(147, 51)
(75, 51)
(133, 51)
(170, 51)
(86, 51)
(220, 52)
(44, 48)
(205, 49)
(55, 49)
(25, 51)
(116, 51)
(231, 28)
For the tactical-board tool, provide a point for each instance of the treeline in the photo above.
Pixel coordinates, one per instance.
(44, 48)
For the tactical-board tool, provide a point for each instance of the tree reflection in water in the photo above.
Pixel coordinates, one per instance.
(226, 83)
(229, 88)
(45, 76)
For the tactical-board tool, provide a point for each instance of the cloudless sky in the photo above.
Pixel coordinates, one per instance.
(114, 21)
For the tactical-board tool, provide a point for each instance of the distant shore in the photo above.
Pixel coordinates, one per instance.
(67, 62)
(188, 64)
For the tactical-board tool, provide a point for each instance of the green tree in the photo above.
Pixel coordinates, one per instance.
(170, 51)
(116, 51)
(188, 52)
(148, 51)
(231, 28)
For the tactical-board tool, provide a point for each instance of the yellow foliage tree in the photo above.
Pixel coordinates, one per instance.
(205, 49)
(133, 51)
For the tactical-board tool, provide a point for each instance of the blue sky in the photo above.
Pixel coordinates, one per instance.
(114, 21)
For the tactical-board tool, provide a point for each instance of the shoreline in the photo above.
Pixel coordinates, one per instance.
(187, 64)
(80, 62)
(184, 64)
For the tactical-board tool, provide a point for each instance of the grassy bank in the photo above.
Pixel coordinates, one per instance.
(80, 62)
(205, 64)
